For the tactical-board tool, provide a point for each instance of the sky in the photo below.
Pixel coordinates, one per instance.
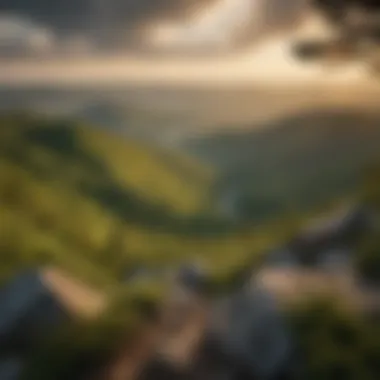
(127, 23)
(73, 15)
(217, 24)
(101, 21)
(210, 23)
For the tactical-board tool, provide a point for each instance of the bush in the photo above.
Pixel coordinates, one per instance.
(334, 343)
(368, 260)
(82, 347)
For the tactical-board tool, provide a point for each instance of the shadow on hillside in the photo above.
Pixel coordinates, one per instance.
(293, 162)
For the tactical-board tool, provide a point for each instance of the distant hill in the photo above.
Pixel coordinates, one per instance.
(293, 163)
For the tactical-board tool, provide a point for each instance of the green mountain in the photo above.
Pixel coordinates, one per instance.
(295, 163)
(95, 204)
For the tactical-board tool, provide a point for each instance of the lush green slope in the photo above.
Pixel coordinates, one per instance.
(95, 204)
(152, 174)
(296, 162)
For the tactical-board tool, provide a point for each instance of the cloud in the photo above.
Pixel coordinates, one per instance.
(180, 23)
(71, 16)
(228, 23)
(217, 24)
(20, 34)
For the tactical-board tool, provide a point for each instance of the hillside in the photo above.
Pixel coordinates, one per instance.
(294, 163)
(172, 181)
(96, 204)
(98, 207)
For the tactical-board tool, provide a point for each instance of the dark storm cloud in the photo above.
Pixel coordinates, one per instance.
(72, 15)
(113, 23)
(336, 9)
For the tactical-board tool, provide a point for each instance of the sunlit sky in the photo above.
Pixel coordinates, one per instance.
(218, 24)
(268, 61)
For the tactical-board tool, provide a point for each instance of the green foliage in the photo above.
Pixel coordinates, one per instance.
(334, 342)
(77, 197)
(368, 260)
(94, 205)
(83, 345)
(370, 191)
(80, 346)
(368, 257)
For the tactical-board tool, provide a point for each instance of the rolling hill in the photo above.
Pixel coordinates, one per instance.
(294, 163)
(95, 204)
